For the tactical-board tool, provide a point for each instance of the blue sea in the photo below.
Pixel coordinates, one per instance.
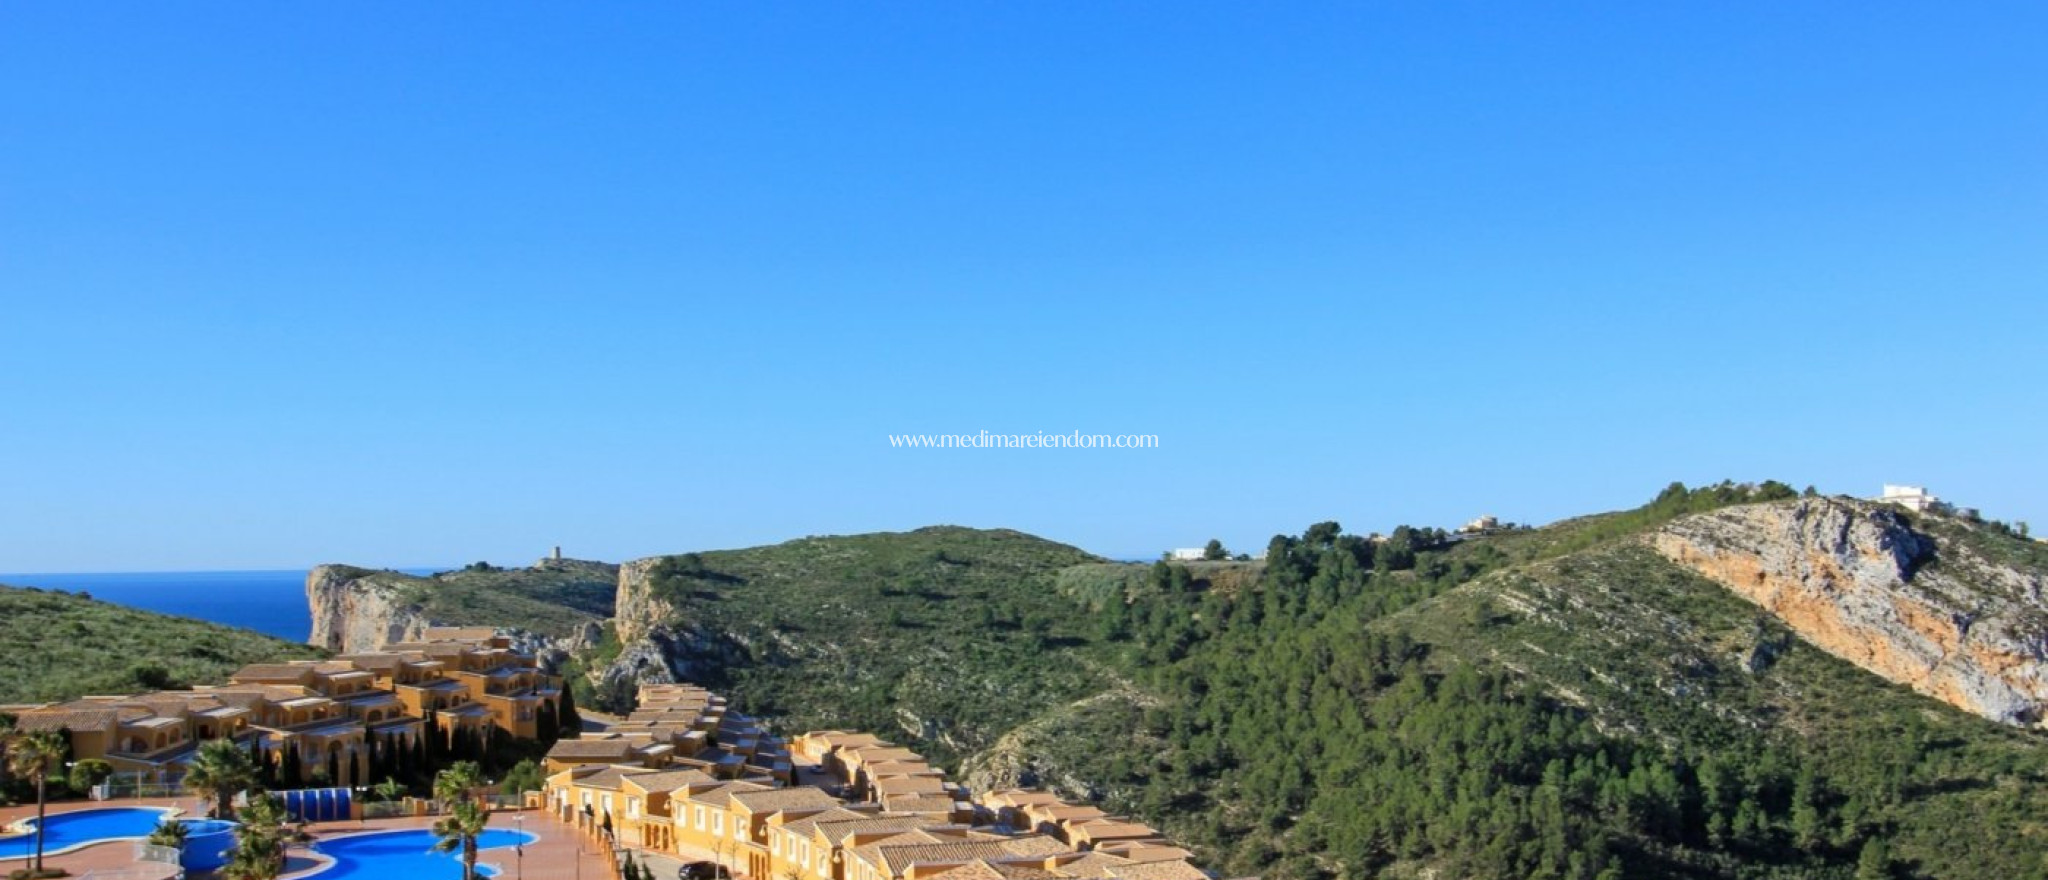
(272, 602)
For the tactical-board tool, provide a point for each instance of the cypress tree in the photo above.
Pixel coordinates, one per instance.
(288, 776)
(545, 724)
(567, 722)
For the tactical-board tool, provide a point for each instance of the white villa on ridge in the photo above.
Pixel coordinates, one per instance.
(1918, 500)
(1915, 498)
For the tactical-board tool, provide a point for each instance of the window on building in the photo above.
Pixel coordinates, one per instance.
(700, 818)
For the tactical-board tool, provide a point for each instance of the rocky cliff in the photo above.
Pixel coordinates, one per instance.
(357, 610)
(638, 610)
(1924, 607)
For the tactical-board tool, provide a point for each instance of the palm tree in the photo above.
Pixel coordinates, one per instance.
(259, 852)
(220, 771)
(170, 833)
(459, 830)
(34, 757)
(461, 781)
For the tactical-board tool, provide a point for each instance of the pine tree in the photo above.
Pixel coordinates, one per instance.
(1876, 861)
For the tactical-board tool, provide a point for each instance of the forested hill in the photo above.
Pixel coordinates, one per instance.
(1555, 702)
(56, 646)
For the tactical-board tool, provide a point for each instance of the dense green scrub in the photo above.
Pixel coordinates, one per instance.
(56, 645)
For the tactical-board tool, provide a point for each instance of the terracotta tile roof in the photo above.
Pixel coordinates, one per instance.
(377, 662)
(983, 869)
(1107, 829)
(895, 858)
(262, 672)
(591, 748)
(73, 719)
(809, 824)
(457, 633)
(1020, 797)
(910, 785)
(249, 695)
(607, 779)
(836, 832)
(877, 754)
(721, 796)
(776, 800)
(886, 769)
(1066, 812)
(173, 702)
(933, 803)
(667, 780)
(1090, 865)
(1145, 852)
(1173, 870)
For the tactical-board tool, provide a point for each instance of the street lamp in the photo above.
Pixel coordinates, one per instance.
(519, 849)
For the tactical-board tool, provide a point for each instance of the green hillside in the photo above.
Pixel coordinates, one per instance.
(1650, 651)
(60, 645)
(942, 636)
(554, 597)
(1558, 702)
(1546, 703)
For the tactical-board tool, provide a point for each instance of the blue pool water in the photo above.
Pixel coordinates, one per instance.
(80, 827)
(410, 855)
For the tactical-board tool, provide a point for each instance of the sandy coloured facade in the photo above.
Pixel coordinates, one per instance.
(332, 716)
(829, 805)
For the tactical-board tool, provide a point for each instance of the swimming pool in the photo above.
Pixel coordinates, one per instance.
(71, 830)
(410, 855)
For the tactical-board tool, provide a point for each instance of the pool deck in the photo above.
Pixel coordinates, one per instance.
(558, 851)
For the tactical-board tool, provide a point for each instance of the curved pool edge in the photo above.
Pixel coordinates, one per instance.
(162, 813)
(327, 862)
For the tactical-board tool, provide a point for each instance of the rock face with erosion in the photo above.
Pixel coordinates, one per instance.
(353, 611)
(1858, 581)
(358, 610)
(638, 610)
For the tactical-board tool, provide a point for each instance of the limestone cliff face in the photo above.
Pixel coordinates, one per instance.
(1858, 581)
(356, 610)
(353, 610)
(638, 610)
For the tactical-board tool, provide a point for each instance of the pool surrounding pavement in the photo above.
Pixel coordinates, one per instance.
(70, 829)
(557, 853)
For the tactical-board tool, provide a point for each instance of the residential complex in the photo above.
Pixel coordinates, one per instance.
(333, 717)
(686, 777)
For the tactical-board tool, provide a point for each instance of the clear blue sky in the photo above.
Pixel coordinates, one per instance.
(412, 283)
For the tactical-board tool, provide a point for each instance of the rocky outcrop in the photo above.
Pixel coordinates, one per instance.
(1860, 582)
(1053, 751)
(357, 610)
(638, 610)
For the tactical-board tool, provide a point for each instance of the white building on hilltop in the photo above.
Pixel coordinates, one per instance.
(1185, 554)
(1485, 523)
(1914, 498)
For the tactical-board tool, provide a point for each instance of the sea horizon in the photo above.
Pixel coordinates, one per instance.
(271, 601)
